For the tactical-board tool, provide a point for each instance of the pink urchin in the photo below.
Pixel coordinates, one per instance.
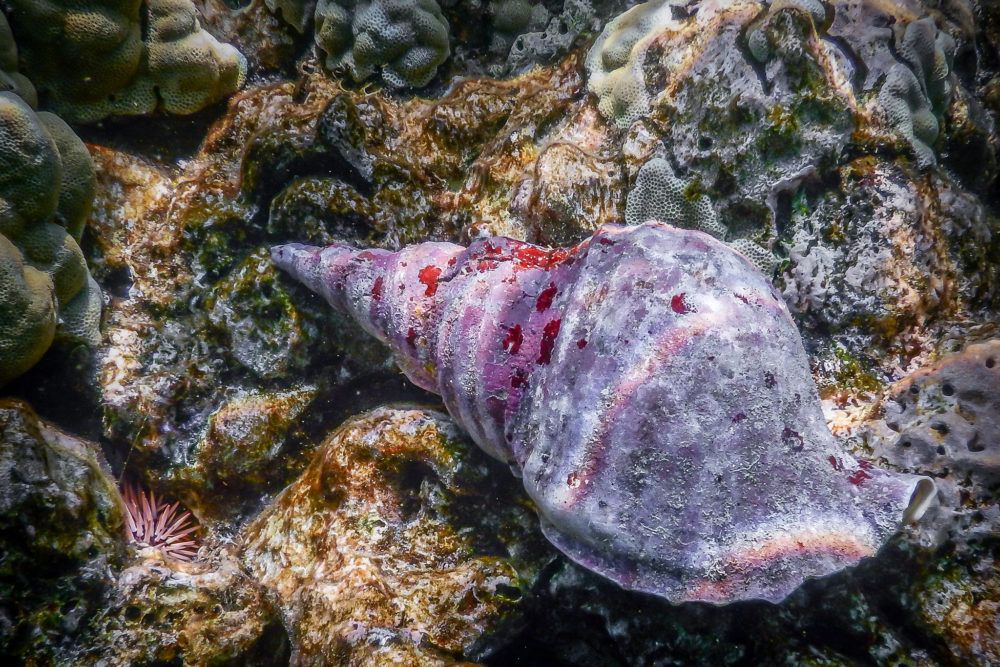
(158, 525)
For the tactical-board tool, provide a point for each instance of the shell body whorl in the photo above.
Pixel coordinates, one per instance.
(651, 388)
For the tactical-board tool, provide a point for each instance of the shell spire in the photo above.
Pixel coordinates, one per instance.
(651, 389)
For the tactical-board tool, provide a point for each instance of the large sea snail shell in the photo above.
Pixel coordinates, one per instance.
(651, 389)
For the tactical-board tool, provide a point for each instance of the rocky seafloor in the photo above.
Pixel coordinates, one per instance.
(849, 148)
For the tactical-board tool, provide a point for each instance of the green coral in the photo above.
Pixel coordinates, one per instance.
(511, 18)
(614, 63)
(916, 94)
(46, 188)
(126, 57)
(659, 195)
(10, 78)
(408, 39)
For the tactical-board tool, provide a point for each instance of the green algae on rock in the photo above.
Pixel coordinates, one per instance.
(885, 262)
(400, 542)
(251, 446)
(45, 196)
(122, 57)
(61, 524)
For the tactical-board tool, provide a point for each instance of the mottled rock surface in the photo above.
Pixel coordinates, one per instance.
(61, 531)
(398, 544)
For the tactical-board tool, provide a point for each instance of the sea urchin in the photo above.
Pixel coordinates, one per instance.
(157, 525)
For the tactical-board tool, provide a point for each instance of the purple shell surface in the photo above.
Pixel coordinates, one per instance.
(652, 390)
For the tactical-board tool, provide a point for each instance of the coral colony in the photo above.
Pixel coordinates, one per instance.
(650, 388)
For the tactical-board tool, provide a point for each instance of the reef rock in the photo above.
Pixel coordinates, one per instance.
(944, 420)
(651, 389)
(61, 526)
(399, 544)
(207, 614)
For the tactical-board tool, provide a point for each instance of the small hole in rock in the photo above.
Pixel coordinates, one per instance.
(940, 450)
(974, 445)
(914, 389)
(893, 426)
(991, 362)
(940, 428)
(508, 592)
(947, 389)
(905, 443)
(705, 143)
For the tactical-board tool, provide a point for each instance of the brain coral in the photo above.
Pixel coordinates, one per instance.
(659, 195)
(408, 39)
(122, 57)
(915, 94)
(614, 63)
(46, 187)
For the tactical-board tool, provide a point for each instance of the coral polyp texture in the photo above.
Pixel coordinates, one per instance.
(615, 62)
(46, 188)
(659, 195)
(122, 57)
(10, 78)
(154, 524)
(650, 388)
(915, 94)
(406, 39)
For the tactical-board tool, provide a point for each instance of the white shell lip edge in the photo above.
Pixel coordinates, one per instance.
(922, 496)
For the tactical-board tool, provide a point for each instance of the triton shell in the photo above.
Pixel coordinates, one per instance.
(651, 389)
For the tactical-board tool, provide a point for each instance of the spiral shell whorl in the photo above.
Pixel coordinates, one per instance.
(651, 388)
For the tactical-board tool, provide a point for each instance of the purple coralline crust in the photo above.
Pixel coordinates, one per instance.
(653, 392)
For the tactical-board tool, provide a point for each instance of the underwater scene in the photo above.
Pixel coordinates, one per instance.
(500, 332)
